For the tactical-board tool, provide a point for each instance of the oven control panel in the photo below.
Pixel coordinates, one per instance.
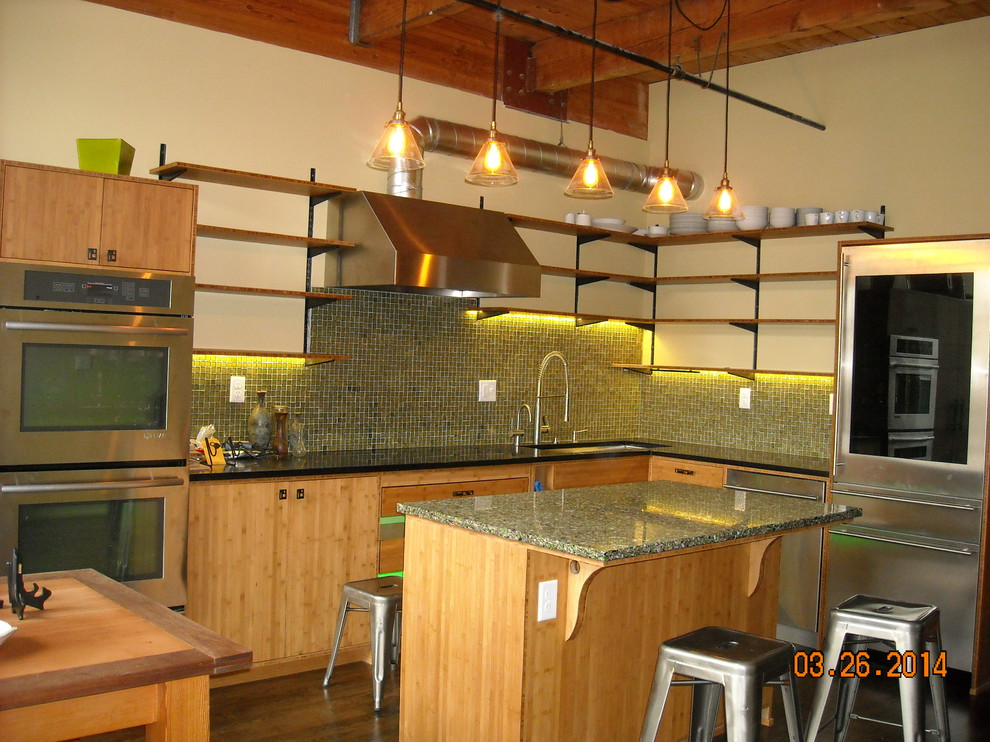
(55, 288)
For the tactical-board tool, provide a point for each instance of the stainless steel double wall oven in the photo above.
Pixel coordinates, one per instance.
(94, 422)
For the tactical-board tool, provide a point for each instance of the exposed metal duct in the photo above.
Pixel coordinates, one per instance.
(447, 137)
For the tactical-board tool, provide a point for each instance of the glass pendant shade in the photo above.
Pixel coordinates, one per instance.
(666, 196)
(724, 202)
(589, 181)
(492, 166)
(397, 149)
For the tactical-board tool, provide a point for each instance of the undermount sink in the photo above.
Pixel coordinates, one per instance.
(592, 447)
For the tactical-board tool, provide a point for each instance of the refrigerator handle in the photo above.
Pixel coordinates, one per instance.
(908, 500)
(903, 542)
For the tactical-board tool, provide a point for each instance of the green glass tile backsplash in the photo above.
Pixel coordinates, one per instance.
(415, 362)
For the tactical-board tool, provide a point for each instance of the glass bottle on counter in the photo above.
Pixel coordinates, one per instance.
(297, 436)
(260, 424)
(281, 442)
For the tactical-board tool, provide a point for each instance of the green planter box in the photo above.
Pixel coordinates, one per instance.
(105, 155)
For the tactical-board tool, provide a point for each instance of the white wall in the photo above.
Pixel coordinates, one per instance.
(905, 118)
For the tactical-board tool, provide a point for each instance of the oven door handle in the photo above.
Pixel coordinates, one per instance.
(905, 542)
(908, 500)
(36, 489)
(110, 329)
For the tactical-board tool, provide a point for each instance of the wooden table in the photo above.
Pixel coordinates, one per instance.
(102, 657)
(634, 565)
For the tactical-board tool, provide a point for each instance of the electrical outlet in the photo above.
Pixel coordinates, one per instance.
(546, 609)
(237, 388)
(745, 398)
(487, 390)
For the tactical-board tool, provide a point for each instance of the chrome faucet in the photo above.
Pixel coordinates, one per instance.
(518, 432)
(537, 415)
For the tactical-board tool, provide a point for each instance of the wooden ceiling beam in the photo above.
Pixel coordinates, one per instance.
(382, 19)
(561, 64)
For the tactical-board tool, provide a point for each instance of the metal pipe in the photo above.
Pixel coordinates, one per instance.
(447, 137)
(674, 72)
(406, 183)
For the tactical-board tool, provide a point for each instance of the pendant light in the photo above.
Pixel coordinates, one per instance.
(589, 180)
(492, 166)
(725, 203)
(666, 196)
(397, 148)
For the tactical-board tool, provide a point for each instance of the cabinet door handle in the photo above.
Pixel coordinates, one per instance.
(689, 472)
(111, 256)
(92, 254)
(300, 494)
(283, 494)
(463, 493)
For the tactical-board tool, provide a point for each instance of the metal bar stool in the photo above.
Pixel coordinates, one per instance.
(715, 659)
(381, 597)
(909, 628)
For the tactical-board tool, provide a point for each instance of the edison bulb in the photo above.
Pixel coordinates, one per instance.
(493, 159)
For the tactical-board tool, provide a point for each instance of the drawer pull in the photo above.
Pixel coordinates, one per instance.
(283, 494)
(300, 494)
(463, 493)
(689, 472)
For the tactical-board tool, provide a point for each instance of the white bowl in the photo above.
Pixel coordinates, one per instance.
(5, 631)
(608, 222)
(782, 220)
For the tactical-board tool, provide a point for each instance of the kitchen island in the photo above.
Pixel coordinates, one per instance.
(634, 564)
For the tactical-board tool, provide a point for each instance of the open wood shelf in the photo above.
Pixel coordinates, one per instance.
(747, 373)
(313, 298)
(312, 359)
(242, 179)
(753, 237)
(588, 276)
(314, 245)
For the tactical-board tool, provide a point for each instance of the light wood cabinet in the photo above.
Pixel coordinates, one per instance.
(414, 486)
(56, 215)
(589, 473)
(267, 560)
(685, 470)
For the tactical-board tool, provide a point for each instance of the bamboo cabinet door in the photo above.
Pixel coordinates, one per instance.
(150, 225)
(232, 579)
(330, 537)
(50, 215)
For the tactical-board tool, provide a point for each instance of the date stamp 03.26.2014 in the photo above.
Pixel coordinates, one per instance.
(859, 665)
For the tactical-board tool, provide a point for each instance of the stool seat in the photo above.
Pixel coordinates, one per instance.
(910, 628)
(719, 659)
(381, 597)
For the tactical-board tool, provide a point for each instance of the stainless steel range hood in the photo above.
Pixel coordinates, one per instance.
(425, 247)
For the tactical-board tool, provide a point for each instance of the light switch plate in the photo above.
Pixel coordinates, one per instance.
(237, 388)
(487, 390)
(546, 609)
(745, 398)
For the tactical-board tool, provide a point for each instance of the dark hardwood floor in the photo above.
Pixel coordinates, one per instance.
(297, 707)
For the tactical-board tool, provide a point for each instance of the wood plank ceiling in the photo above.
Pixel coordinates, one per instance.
(450, 43)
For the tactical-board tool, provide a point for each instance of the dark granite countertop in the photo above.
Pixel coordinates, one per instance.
(394, 459)
(620, 521)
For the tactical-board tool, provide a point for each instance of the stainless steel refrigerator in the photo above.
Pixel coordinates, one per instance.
(911, 427)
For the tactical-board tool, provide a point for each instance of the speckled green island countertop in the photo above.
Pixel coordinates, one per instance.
(620, 521)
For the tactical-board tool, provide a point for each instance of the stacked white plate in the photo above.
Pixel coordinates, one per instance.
(782, 216)
(754, 217)
(722, 224)
(687, 222)
(612, 223)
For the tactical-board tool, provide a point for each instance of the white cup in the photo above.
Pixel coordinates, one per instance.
(841, 217)
(583, 218)
(569, 217)
(826, 217)
(857, 215)
(871, 216)
(656, 230)
(811, 219)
